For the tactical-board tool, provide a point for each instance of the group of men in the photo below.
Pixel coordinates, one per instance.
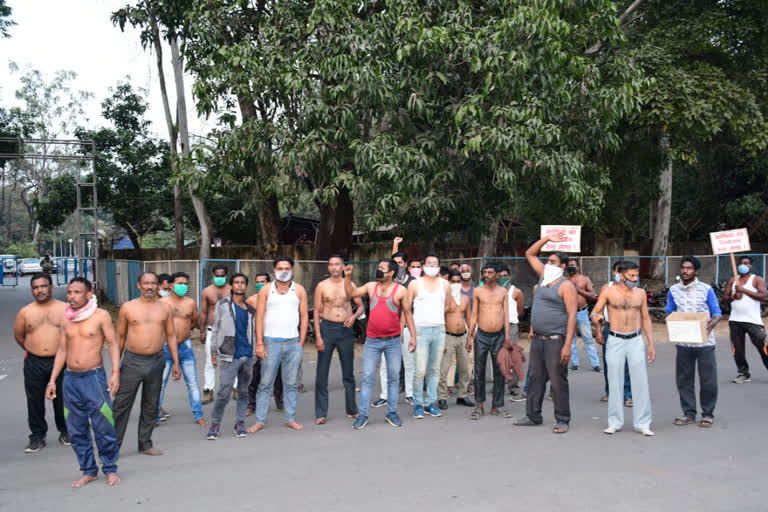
(418, 319)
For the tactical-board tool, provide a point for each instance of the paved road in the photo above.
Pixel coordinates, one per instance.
(448, 463)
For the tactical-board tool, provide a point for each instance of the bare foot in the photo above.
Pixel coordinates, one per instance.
(353, 416)
(84, 480)
(202, 422)
(255, 428)
(113, 479)
(152, 451)
(294, 425)
(320, 421)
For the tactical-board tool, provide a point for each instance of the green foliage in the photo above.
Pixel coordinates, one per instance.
(5, 21)
(22, 250)
(59, 203)
(132, 167)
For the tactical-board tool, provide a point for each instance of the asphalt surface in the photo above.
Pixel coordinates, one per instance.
(447, 463)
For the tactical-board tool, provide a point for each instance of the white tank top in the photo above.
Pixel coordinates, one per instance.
(512, 304)
(281, 319)
(429, 307)
(746, 309)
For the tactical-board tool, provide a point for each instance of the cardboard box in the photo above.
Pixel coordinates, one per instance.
(687, 327)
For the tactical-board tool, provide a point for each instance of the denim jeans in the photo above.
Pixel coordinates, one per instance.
(627, 383)
(488, 344)
(584, 328)
(408, 367)
(430, 343)
(685, 374)
(189, 370)
(372, 352)
(341, 338)
(286, 355)
(631, 352)
(239, 369)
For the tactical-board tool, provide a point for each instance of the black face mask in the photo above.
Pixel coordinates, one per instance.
(379, 274)
(571, 270)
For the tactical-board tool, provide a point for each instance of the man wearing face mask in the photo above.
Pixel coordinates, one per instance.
(586, 293)
(211, 295)
(456, 321)
(606, 329)
(184, 320)
(165, 287)
(431, 298)
(400, 258)
(489, 315)
(693, 296)
(281, 328)
(334, 320)
(630, 321)
(745, 292)
(553, 321)
(262, 280)
(408, 365)
(467, 285)
(388, 300)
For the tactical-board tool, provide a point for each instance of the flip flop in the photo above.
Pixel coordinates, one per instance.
(685, 420)
(476, 414)
(501, 413)
(707, 422)
(560, 428)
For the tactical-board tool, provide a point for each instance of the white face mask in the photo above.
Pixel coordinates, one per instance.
(284, 276)
(164, 293)
(466, 275)
(431, 271)
(551, 274)
(456, 292)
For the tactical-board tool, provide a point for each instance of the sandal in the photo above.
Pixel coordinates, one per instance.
(501, 413)
(685, 420)
(476, 414)
(707, 422)
(560, 428)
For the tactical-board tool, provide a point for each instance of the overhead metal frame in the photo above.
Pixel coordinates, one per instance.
(21, 153)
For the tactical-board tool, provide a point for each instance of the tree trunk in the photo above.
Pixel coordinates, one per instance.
(663, 210)
(178, 193)
(336, 226)
(269, 214)
(206, 227)
(488, 240)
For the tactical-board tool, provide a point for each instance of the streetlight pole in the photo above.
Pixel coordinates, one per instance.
(61, 244)
(70, 247)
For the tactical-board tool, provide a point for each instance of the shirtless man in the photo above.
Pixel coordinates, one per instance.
(262, 279)
(333, 327)
(628, 309)
(143, 326)
(184, 320)
(37, 330)
(489, 314)
(388, 300)
(87, 396)
(457, 319)
(586, 293)
(212, 294)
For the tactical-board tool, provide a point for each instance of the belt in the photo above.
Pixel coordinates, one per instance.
(458, 335)
(626, 336)
(583, 308)
(386, 338)
(552, 337)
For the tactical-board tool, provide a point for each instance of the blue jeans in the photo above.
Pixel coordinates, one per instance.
(627, 383)
(189, 370)
(372, 351)
(632, 353)
(430, 343)
(584, 328)
(87, 406)
(284, 355)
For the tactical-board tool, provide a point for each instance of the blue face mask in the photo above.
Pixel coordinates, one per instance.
(743, 269)
(631, 284)
(617, 278)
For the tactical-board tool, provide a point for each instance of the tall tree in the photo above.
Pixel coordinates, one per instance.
(5, 19)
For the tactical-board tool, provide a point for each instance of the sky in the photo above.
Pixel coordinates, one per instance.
(77, 35)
